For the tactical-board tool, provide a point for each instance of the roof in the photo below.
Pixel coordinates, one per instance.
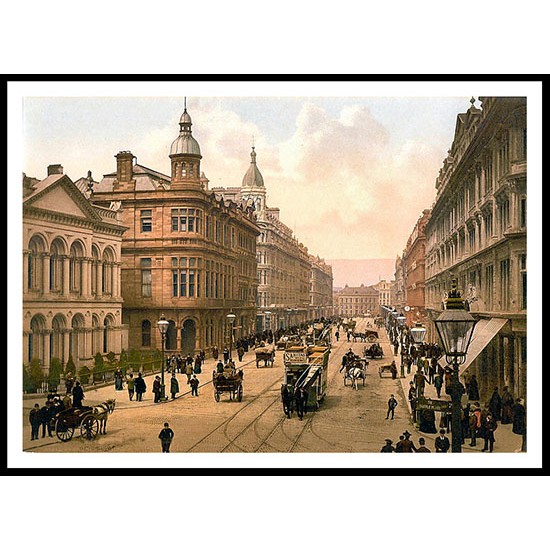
(253, 176)
(147, 179)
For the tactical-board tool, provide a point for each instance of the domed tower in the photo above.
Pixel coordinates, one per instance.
(253, 188)
(185, 154)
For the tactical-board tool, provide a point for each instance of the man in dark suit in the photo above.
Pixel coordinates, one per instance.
(442, 443)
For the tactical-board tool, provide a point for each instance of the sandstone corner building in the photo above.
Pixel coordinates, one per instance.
(187, 254)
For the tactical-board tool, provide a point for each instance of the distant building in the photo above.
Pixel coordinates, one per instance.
(385, 296)
(355, 301)
(477, 234)
(292, 287)
(320, 288)
(413, 270)
(72, 303)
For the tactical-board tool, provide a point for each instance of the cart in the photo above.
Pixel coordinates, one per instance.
(232, 384)
(64, 423)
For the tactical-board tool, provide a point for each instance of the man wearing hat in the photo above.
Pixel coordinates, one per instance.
(156, 388)
(442, 443)
(422, 448)
(388, 447)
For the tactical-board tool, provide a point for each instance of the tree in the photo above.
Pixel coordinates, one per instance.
(70, 367)
(84, 375)
(99, 367)
(54, 376)
(36, 375)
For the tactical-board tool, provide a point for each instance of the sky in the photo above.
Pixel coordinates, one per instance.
(351, 175)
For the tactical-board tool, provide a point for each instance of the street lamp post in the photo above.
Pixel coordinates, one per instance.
(455, 327)
(231, 318)
(162, 324)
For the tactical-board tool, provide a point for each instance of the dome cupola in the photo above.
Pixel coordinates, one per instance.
(253, 177)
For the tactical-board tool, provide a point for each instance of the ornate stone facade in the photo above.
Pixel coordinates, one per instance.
(188, 254)
(413, 267)
(72, 303)
(477, 235)
(291, 289)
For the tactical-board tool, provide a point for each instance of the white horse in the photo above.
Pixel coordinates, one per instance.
(102, 412)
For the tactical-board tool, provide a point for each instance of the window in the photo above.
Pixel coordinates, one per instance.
(145, 265)
(186, 277)
(523, 212)
(504, 212)
(146, 221)
(186, 219)
(146, 333)
(523, 280)
(488, 227)
(505, 284)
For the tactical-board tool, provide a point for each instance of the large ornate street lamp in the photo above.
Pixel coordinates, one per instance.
(162, 325)
(455, 327)
(231, 318)
(418, 333)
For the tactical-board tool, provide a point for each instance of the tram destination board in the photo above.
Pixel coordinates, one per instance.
(295, 357)
(433, 405)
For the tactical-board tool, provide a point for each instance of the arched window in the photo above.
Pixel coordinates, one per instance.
(106, 324)
(34, 269)
(146, 333)
(75, 267)
(56, 266)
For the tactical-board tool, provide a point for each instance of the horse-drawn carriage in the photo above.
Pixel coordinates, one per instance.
(385, 370)
(374, 351)
(366, 336)
(265, 354)
(90, 420)
(355, 369)
(228, 382)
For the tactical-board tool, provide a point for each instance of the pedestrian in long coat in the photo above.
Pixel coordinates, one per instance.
(78, 394)
(157, 389)
(519, 422)
(188, 371)
(489, 427)
(507, 404)
(198, 364)
(118, 379)
(393, 369)
(495, 404)
(240, 352)
(438, 383)
(130, 385)
(45, 415)
(140, 386)
(442, 443)
(225, 355)
(215, 353)
(34, 419)
(174, 386)
(473, 389)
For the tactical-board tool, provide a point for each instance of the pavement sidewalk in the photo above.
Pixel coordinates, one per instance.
(505, 440)
(99, 393)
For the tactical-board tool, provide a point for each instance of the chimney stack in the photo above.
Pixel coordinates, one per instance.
(124, 171)
(55, 169)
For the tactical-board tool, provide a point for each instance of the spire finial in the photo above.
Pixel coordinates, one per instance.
(472, 101)
(185, 103)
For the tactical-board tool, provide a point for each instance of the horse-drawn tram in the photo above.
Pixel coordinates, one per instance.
(307, 367)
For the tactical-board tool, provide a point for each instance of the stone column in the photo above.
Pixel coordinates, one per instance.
(45, 256)
(99, 282)
(47, 350)
(25, 271)
(66, 290)
(66, 345)
(84, 277)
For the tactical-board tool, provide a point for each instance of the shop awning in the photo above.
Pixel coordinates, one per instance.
(484, 331)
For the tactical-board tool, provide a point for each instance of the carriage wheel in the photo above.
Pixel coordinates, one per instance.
(89, 427)
(216, 395)
(240, 394)
(63, 429)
